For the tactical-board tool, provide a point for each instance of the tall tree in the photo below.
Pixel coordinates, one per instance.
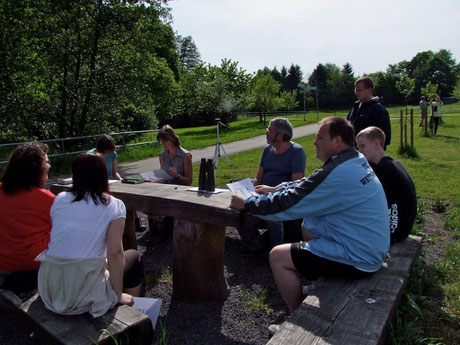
(348, 77)
(86, 66)
(277, 76)
(438, 68)
(208, 89)
(284, 74)
(406, 86)
(293, 78)
(264, 90)
(189, 56)
(430, 91)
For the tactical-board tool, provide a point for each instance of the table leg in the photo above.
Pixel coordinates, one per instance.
(129, 234)
(198, 261)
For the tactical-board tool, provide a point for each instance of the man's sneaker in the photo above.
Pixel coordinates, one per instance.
(307, 289)
(273, 328)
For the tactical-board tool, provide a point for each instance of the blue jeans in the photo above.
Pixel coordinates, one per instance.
(253, 239)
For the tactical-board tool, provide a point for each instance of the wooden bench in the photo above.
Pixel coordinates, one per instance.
(126, 324)
(356, 312)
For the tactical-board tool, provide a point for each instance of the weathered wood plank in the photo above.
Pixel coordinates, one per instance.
(352, 312)
(198, 261)
(124, 322)
(174, 201)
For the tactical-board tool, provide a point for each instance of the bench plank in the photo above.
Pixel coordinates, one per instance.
(352, 312)
(125, 323)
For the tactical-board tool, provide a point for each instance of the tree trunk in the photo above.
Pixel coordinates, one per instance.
(64, 94)
(92, 69)
(76, 91)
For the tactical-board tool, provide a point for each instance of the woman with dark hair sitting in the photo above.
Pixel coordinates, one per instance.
(177, 162)
(86, 239)
(24, 216)
(105, 145)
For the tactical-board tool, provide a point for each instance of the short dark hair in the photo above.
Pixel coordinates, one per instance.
(373, 133)
(167, 133)
(105, 143)
(367, 81)
(89, 174)
(339, 126)
(26, 167)
(282, 126)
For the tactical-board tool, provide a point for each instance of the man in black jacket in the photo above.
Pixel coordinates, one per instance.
(368, 111)
(397, 184)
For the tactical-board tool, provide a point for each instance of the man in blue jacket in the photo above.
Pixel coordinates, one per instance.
(368, 110)
(344, 211)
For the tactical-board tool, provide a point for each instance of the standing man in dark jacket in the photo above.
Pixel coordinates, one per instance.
(368, 111)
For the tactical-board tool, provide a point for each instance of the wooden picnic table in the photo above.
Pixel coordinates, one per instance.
(199, 233)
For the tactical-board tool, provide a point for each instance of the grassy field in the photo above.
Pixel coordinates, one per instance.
(426, 316)
(422, 318)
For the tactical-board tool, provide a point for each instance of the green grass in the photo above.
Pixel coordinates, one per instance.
(257, 300)
(437, 181)
(198, 137)
(162, 339)
(191, 138)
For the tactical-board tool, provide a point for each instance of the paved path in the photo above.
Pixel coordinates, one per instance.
(231, 148)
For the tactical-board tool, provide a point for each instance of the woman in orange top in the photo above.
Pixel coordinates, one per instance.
(24, 216)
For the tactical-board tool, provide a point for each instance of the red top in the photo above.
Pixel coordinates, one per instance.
(25, 227)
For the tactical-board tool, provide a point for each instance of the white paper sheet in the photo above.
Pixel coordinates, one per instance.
(156, 175)
(243, 188)
(64, 180)
(216, 191)
(149, 306)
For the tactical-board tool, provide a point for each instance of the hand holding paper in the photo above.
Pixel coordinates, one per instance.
(237, 202)
(156, 175)
(243, 188)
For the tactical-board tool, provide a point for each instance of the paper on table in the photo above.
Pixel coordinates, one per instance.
(243, 188)
(149, 306)
(216, 191)
(156, 175)
(64, 180)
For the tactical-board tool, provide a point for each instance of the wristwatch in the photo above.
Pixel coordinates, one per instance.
(177, 177)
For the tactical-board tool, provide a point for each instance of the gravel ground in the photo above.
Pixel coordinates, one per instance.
(231, 321)
(234, 320)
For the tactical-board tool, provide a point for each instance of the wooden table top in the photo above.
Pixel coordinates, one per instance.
(174, 201)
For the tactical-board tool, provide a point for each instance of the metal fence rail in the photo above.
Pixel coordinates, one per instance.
(61, 144)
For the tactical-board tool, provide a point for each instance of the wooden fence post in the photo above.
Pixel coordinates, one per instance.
(412, 127)
(401, 129)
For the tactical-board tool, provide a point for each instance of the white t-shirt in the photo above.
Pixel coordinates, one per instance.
(79, 229)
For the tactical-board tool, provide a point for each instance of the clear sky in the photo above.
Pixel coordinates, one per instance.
(368, 34)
